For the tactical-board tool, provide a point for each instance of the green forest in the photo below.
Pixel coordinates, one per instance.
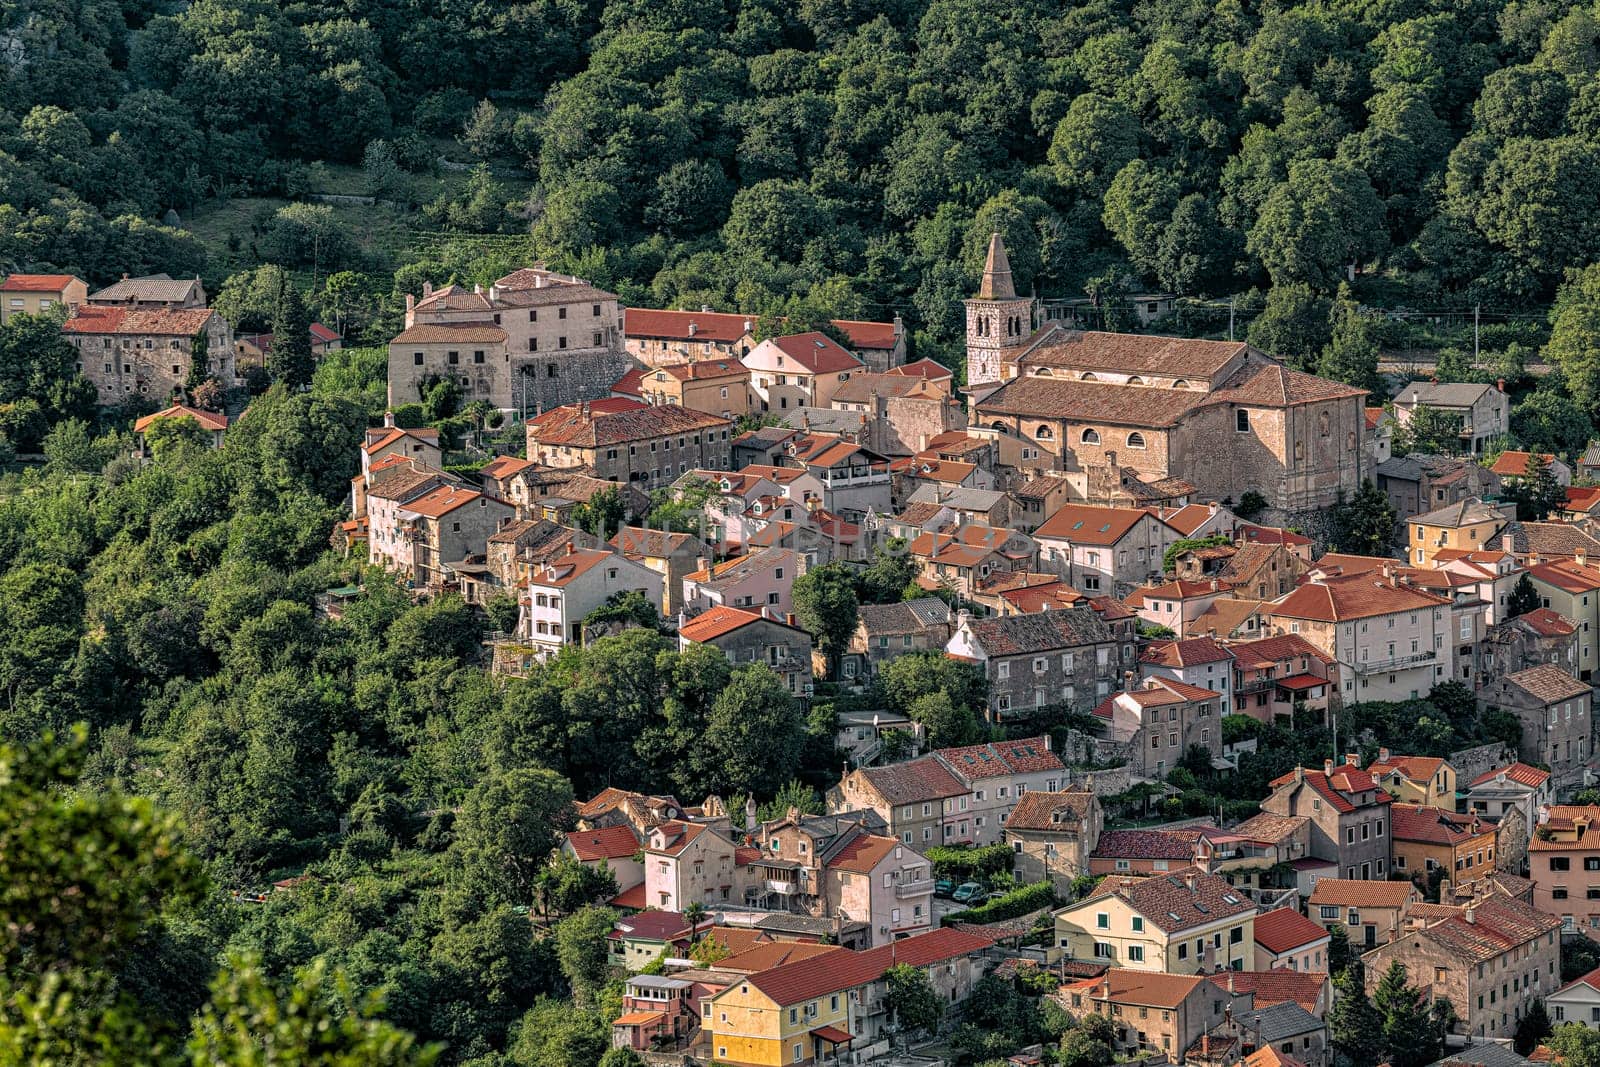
(181, 727)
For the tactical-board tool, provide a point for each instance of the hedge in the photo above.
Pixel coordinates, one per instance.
(1019, 901)
(966, 864)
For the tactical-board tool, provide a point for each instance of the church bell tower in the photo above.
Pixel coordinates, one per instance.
(999, 323)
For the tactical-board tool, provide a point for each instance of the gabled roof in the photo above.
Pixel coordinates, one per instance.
(904, 617)
(1039, 810)
(766, 956)
(1272, 535)
(1050, 631)
(924, 368)
(1174, 902)
(151, 288)
(863, 852)
(591, 426)
(1000, 758)
(914, 781)
(1363, 893)
(1360, 597)
(1132, 353)
(1273, 385)
(1276, 649)
(815, 352)
(1304, 988)
(1442, 394)
(1434, 826)
(721, 327)
(1086, 525)
(1337, 785)
(639, 540)
(36, 283)
(742, 568)
(870, 335)
(1466, 512)
(441, 501)
(1519, 773)
(208, 420)
(1515, 464)
(1592, 980)
(609, 843)
(1104, 403)
(382, 438)
(1145, 989)
(1567, 575)
(834, 972)
(1488, 928)
(1145, 845)
(1547, 683)
(1189, 518)
(159, 322)
(561, 570)
(1412, 768)
(504, 466)
(482, 333)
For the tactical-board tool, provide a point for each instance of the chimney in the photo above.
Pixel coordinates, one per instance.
(388, 420)
(789, 618)
(585, 409)
(748, 325)
(427, 289)
(1469, 914)
(477, 289)
(694, 328)
(1416, 397)
(1327, 767)
(1232, 990)
(1446, 891)
(411, 303)
(1352, 759)
(1189, 880)
(1500, 384)
(701, 563)
(705, 309)
(1383, 755)
(572, 546)
(1105, 987)
(750, 811)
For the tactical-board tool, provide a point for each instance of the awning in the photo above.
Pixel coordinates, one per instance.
(1301, 682)
(832, 1034)
(640, 1018)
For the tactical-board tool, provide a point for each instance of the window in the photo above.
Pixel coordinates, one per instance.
(1102, 921)
(1136, 953)
(1560, 863)
(1138, 924)
(1136, 440)
(1102, 951)
(561, 342)
(1090, 437)
(1242, 421)
(416, 359)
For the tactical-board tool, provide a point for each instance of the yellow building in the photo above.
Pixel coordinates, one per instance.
(1571, 588)
(30, 294)
(804, 1011)
(1428, 839)
(1181, 923)
(1467, 525)
(1416, 779)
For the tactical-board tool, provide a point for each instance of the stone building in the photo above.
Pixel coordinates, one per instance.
(1553, 708)
(1490, 960)
(750, 637)
(135, 351)
(1220, 417)
(999, 323)
(1160, 722)
(421, 525)
(885, 631)
(151, 292)
(671, 555)
(1371, 911)
(545, 339)
(905, 413)
(798, 370)
(1563, 856)
(1151, 1014)
(1349, 815)
(1185, 922)
(1051, 836)
(1420, 483)
(1484, 411)
(1068, 658)
(715, 386)
(624, 441)
(1426, 840)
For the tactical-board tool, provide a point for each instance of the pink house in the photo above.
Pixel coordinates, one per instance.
(656, 1011)
(758, 581)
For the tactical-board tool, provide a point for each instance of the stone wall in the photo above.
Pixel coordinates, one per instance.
(1471, 762)
(557, 378)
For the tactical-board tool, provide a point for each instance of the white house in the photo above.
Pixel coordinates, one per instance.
(562, 592)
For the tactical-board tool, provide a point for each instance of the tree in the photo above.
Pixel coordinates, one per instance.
(1365, 526)
(1550, 421)
(1537, 493)
(1096, 138)
(912, 1001)
(1429, 431)
(947, 723)
(381, 167)
(1324, 219)
(884, 580)
(1574, 343)
(1532, 1028)
(583, 950)
(825, 604)
(753, 734)
(1537, 201)
(507, 828)
(1412, 1031)
(1296, 325)
(1352, 353)
(503, 612)
(1576, 1044)
(1339, 953)
(628, 608)
(290, 358)
(568, 885)
(1355, 1026)
(601, 514)
(319, 1022)
(1080, 1048)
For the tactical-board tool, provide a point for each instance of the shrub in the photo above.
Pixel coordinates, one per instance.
(1008, 905)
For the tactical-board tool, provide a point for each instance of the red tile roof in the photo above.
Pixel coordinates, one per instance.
(999, 758)
(1548, 682)
(1338, 786)
(1145, 989)
(1567, 575)
(715, 623)
(503, 466)
(1284, 930)
(874, 335)
(1413, 768)
(485, 333)
(598, 423)
(1276, 649)
(1272, 535)
(862, 853)
(834, 972)
(1592, 980)
(816, 352)
(1169, 903)
(442, 500)
(1360, 597)
(1549, 623)
(924, 368)
(1498, 925)
(1129, 353)
(1515, 464)
(631, 384)
(633, 897)
(161, 322)
(1434, 826)
(1085, 525)
(1145, 845)
(1188, 652)
(766, 956)
(1520, 773)
(1305, 988)
(36, 283)
(208, 420)
(1363, 893)
(716, 326)
(914, 781)
(610, 843)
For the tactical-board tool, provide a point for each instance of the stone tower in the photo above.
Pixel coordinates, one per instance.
(999, 323)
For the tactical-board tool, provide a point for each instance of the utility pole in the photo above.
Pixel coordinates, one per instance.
(1475, 308)
(1230, 318)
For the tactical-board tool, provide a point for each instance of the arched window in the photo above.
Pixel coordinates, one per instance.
(1181, 383)
(1135, 380)
(1088, 376)
(1350, 440)
(1322, 424)
(1042, 372)
(1136, 440)
(1002, 427)
(1045, 433)
(1091, 437)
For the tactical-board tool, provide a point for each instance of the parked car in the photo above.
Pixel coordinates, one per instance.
(966, 891)
(943, 887)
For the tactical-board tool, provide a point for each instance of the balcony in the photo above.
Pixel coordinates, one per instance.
(920, 887)
(775, 885)
(1393, 663)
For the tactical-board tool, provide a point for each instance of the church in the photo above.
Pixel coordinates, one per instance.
(1221, 416)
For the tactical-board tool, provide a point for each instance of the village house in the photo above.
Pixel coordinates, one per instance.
(852, 480)
(1483, 410)
(1426, 780)
(1256, 571)
(1310, 990)
(1426, 840)
(985, 507)
(620, 807)
(798, 370)
(1392, 641)
(1037, 499)
(713, 386)
(1274, 675)
(667, 338)
(689, 862)
(1184, 922)
(997, 774)
(560, 593)
(1516, 786)
(420, 443)
(882, 347)
(1466, 526)
(1381, 425)
(1285, 939)
(1553, 708)
(864, 735)
(612, 848)
(153, 353)
(1151, 1013)
(421, 524)
(152, 291)
(623, 441)
(761, 580)
(255, 349)
(1184, 607)
(1577, 1002)
(747, 637)
(1068, 658)
(1547, 542)
(1371, 911)
(1512, 466)
(885, 631)
(655, 1010)
(1564, 863)
(1196, 661)
(807, 1011)
(1160, 722)
(1214, 414)
(1420, 483)
(212, 425)
(828, 865)
(1490, 961)
(1571, 589)
(1051, 835)
(1104, 550)
(1349, 815)
(671, 555)
(1265, 854)
(962, 559)
(1142, 852)
(533, 341)
(904, 413)
(35, 294)
(911, 797)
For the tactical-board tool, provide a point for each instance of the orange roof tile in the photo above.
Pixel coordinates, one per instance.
(609, 843)
(36, 283)
(1145, 989)
(1284, 930)
(208, 420)
(1363, 893)
(1086, 525)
